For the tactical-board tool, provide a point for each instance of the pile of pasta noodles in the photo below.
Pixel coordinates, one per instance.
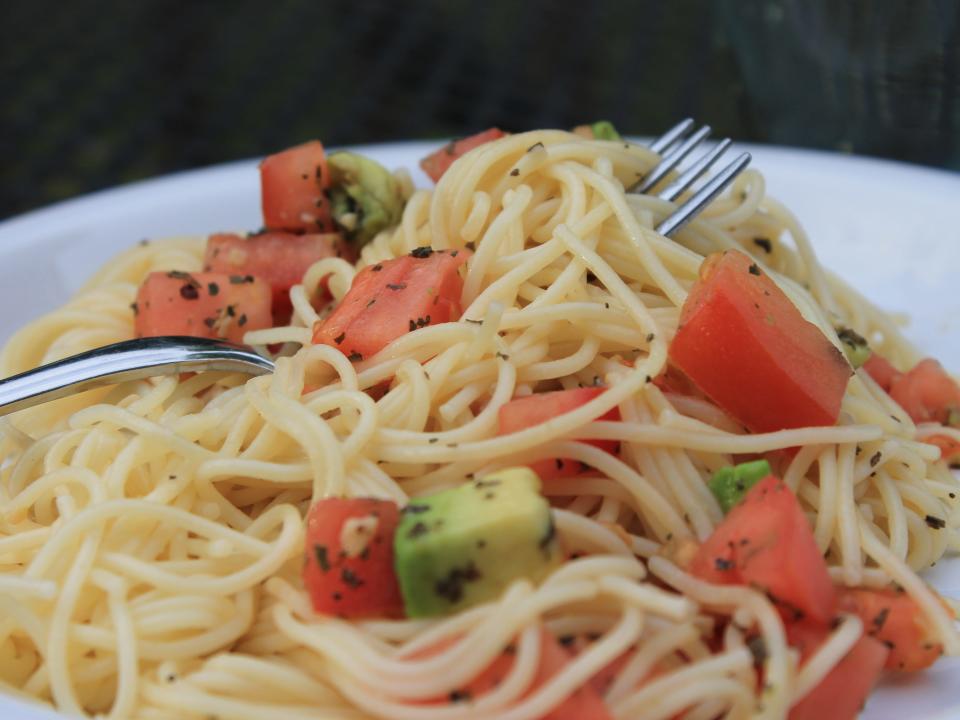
(151, 535)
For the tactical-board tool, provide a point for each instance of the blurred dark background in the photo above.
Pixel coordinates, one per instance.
(98, 92)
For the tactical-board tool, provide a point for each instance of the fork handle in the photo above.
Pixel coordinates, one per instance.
(127, 360)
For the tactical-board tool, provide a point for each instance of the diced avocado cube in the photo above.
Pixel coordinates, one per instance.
(364, 197)
(729, 484)
(600, 130)
(463, 546)
(855, 347)
(604, 130)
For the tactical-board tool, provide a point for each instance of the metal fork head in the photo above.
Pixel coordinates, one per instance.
(674, 146)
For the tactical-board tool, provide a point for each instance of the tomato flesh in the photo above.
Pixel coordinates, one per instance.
(882, 372)
(279, 258)
(927, 393)
(842, 693)
(292, 185)
(748, 348)
(766, 542)
(392, 298)
(526, 412)
(348, 571)
(585, 703)
(436, 164)
(949, 447)
(893, 618)
(211, 305)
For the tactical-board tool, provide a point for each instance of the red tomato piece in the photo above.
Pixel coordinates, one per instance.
(672, 380)
(583, 704)
(882, 372)
(292, 185)
(436, 164)
(842, 693)
(748, 348)
(949, 448)
(392, 298)
(894, 619)
(927, 393)
(280, 258)
(526, 412)
(210, 305)
(349, 558)
(765, 541)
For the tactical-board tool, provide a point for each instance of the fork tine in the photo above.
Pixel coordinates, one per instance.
(690, 175)
(671, 136)
(671, 160)
(683, 214)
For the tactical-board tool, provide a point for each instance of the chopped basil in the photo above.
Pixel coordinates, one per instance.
(731, 483)
(855, 346)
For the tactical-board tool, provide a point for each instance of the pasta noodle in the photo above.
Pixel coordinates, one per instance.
(152, 537)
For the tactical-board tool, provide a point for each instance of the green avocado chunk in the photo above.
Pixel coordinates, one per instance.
(729, 484)
(604, 130)
(463, 546)
(855, 347)
(364, 197)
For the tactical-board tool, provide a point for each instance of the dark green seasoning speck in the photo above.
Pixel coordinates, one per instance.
(320, 551)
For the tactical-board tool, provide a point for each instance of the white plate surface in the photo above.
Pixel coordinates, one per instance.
(891, 230)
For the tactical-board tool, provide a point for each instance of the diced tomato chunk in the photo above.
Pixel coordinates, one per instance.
(436, 164)
(882, 372)
(392, 298)
(210, 305)
(584, 703)
(292, 185)
(349, 558)
(893, 618)
(949, 447)
(927, 393)
(280, 258)
(672, 380)
(526, 412)
(748, 348)
(766, 542)
(842, 693)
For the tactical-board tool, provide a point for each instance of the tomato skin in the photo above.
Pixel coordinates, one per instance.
(436, 164)
(210, 305)
(292, 184)
(748, 348)
(584, 703)
(926, 392)
(526, 412)
(842, 693)
(894, 619)
(359, 585)
(882, 372)
(279, 258)
(765, 541)
(392, 298)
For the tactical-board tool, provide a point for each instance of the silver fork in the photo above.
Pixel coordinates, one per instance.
(127, 360)
(673, 147)
(148, 357)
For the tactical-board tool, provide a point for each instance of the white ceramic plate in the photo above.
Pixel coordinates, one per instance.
(891, 230)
